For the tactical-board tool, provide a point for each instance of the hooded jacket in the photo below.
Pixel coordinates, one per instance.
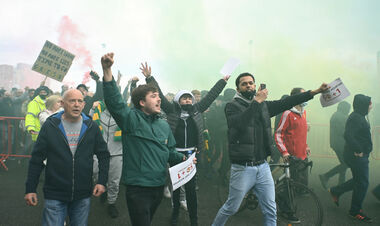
(67, 177)
(337, 125)
(173, 110)
(357, 133)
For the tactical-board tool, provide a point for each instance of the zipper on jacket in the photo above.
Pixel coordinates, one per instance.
(72, 188)
(185, 133)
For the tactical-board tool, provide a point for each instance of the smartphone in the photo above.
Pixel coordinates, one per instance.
(263, 86)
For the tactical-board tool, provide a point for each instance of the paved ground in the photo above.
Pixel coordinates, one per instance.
(14, 212)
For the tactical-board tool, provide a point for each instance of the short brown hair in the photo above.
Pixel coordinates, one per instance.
(140, 93)
(196, 92)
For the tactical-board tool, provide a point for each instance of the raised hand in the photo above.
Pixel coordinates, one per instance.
(226, 77)
(324, 87)
(261, 95)
(146, 70)
(107, 61)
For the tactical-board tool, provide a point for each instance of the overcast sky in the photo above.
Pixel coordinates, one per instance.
(284, 43)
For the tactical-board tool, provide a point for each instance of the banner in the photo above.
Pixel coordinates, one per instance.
(182, 173)
(336, 93)
(53, 61)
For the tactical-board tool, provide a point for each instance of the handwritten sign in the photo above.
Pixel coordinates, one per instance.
(336, 93)
(53, 61)
(182, 173)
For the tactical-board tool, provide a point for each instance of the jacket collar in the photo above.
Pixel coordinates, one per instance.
(239, 96)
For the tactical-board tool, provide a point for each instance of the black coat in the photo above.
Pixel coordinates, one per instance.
(357, 133)
(249, 126)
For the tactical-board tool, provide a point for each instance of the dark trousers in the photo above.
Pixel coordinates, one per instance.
(358, 184)
(339, 169)
(142, 203)
(191, 199)
(299, 171)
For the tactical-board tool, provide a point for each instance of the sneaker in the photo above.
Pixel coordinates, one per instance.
(361, 217)
(334, 197)
(112, 211)
(291, 218)
(323, 180)
(167, 193)
(183, 204)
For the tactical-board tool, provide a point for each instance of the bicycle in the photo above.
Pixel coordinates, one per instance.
(296, 197)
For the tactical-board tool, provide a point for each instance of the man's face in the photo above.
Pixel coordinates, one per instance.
(246, 83)
(83, 90)
(31, 93)
(186, 99)
(197, 97)
(73, 104)
(152, 103)
(43, 93)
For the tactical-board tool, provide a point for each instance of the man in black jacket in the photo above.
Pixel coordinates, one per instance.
(250, 142)
(68, 141)
(357, 135)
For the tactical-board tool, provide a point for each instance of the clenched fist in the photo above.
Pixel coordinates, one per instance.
(107, 61)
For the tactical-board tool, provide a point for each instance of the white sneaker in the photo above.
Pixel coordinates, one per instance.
(167, 193)
(183, 204)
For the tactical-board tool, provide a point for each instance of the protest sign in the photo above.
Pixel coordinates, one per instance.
(182, 173)
(336, 93)
(230, 66)
(53, 61)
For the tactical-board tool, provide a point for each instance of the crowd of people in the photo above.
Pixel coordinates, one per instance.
(131, 137)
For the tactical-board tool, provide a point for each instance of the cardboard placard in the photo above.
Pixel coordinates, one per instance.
(53, 61)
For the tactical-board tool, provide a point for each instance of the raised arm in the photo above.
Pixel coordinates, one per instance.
(278, 106)
(214, 92)
(112, 97)
(166, 105)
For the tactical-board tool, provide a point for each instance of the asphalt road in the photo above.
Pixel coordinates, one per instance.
(13, 210)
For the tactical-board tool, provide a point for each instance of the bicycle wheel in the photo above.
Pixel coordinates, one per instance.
(300, 200)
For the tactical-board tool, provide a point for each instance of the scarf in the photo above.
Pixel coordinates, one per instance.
(96, 117)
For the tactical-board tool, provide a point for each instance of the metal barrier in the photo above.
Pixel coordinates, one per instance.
(12, 139)
(318, 140)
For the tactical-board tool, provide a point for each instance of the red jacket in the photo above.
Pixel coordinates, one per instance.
(291, 134)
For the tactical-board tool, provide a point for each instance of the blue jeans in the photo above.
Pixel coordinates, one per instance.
(55, 212)
(243, 179)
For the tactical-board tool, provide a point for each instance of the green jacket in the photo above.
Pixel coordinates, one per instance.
(148, 143)
(32, 122)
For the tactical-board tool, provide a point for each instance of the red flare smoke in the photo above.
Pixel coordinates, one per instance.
(71, 39)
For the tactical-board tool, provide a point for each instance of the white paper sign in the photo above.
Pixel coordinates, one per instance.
(182, 173)
(230, 66)
(336, 93)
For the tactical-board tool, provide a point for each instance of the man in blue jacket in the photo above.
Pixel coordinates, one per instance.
(68, 141)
